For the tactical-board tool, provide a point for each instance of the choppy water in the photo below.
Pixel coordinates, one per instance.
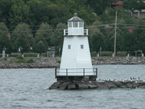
(28, 88)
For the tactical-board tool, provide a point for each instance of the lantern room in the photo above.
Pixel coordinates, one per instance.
(75, 27)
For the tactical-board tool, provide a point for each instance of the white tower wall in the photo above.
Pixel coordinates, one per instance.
(76, 58)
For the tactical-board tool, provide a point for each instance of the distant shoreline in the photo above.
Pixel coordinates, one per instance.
(54, 62)
(19, 66)
(118, 60)
(33, 65)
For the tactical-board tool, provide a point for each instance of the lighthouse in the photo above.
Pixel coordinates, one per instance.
(76, 70)
(76, 61)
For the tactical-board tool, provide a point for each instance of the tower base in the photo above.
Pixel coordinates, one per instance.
(101, 84)
(76, 78)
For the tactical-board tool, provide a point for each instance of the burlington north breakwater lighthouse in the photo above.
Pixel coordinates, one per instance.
(76, 64)
(76, 61)
(76, 71)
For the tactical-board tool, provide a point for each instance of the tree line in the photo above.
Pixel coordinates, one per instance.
(34, 12)
(40, 24)
(22, 36)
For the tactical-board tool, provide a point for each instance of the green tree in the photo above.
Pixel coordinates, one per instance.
(133, 4)
(142, 41)
(5, 6)
(22, 41)
(40, 47)
(139, 30)
(141, 5)
(87, 15)
(21, 36)
(72, 6)
(37, 39)
(119, 40)
(96, 24)
(99, 6)
(19, 12)
(97, 40)
(57, 39)
(46, 11)
(106, 18)
(130, 4)
(4, 39)
(38, 12)
(45, 31)
(122, 15)
(130, 42)
(59, 13)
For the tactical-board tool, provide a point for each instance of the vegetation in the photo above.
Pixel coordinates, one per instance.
(40, 47)
(40, 24)
(20, 59)
(30, 61)
(4, 39)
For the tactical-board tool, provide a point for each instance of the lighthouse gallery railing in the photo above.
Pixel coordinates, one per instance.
(66, 32)
(76, 72)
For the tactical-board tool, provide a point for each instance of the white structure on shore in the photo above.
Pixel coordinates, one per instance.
(76, 59)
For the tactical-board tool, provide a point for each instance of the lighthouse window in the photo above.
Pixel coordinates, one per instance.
(75, 24)
(80, 24)
(69, 24)
(82, 47)
(69, 47)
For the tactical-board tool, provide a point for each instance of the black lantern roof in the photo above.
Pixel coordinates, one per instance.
(75, 18)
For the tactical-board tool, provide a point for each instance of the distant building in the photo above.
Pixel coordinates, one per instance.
(117, 4)
(139, 14)
(135, 13)
(130, 29)
(108, 28)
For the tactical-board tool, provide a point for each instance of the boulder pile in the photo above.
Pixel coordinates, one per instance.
(100, 84)
(117, 60)
(26, 65)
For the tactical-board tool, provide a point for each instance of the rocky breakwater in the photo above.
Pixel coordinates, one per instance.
(37, 63)
(26, 65)
(100, 84)
(118, 60)
(49, 62)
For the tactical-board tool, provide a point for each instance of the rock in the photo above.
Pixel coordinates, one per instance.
(133, 62)
(101, 62)
(110, 85)
(128, 85)
(119, 84)
(124, 62)
(82, 85)
(97, 84)
(141, 86)
(55, 85)
(104, 86)
(64, 86)
(8, 60)
(112, 62)
(92, 85)
(71, 86)
(101, 85)
(134, 85)
(123, 85)
(134, 58)
(92, 60)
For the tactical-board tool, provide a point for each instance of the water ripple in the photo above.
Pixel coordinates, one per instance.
(28, 88)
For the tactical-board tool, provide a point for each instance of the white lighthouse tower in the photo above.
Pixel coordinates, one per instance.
(76, 60)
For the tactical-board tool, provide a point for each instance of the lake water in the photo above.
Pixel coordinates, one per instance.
(28, 88)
